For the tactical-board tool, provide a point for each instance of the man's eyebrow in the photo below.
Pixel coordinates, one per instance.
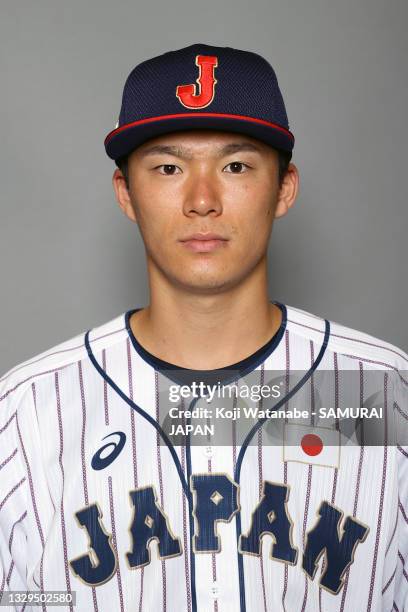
(238, 146)
(166, 149)
(183, 153)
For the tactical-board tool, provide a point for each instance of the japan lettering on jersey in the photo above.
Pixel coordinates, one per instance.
(95, 500)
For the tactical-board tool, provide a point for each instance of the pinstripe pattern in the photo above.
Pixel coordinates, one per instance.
(213, 557)
(10, 493)
(185, 534)
(234, 437)
(361, 371)
(159, 468)
(132, 415)
(401, 450)
(285, 463)
(234, 446)
(312, 389)
(111, 505)
(401, 558)
(380, 510)
(10, 544)
(7, 422)
(392, 535)
(389, 581)
(9, 573)
(401, 507)
(9, 458)
(34, 393)
(3, 580)
(309, 484)
(356, 494)
(214, 577)
(401, 513)
(383, 347)
(335, 470)
(34, 399)
(134, 453)
(105, 390)
(79, 398)
(375, 344)
(30, 480)
(384, 364)
(401, 412)
(34, 376)
(83, 432)
(261, 567)
(52, 354)
(37, 518)
(309, 476)
(84, 478)
(260, 485)
(114, 543)
(61, 452)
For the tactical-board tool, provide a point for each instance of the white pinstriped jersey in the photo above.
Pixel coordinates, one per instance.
(57, 408)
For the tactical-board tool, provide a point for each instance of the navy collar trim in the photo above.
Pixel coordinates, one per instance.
(242, 367)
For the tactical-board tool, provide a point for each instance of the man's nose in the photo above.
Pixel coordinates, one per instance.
(202, 195)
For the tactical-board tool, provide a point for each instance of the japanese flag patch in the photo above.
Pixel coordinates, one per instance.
(312, 445)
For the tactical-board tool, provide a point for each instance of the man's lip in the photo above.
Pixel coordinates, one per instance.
(202, 242)
(203, 237)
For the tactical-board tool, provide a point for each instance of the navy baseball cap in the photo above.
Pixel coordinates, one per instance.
(201, 87)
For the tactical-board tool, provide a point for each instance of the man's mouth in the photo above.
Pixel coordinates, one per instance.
(204, 242)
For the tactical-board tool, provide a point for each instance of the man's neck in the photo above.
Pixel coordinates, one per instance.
(206, 332)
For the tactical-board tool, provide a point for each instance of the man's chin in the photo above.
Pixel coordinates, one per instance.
(204, 280)
(205, 286)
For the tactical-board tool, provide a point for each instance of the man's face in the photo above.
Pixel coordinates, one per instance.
(204, 202)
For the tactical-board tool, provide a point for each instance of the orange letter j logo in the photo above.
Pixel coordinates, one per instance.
(187, 94)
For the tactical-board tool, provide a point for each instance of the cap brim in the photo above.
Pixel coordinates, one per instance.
(126, 138)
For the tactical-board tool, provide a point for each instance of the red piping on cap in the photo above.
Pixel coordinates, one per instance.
(183, 115)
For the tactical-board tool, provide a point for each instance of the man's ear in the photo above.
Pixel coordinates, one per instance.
(287, 191)
(122, 195)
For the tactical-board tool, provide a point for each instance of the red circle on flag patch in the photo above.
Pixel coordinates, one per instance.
(311, 444)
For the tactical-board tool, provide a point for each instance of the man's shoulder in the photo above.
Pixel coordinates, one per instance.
(15, 382)
(347, 341)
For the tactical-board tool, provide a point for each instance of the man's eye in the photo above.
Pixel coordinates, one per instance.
(236, 167)
(168, 169)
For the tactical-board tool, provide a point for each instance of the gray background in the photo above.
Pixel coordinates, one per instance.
(70, 260)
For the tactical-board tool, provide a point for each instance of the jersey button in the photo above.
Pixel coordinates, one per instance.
(208, 451)
(214, 591)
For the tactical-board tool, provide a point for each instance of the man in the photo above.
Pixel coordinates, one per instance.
(129, 476)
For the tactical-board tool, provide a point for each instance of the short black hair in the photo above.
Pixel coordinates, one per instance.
(284, 158)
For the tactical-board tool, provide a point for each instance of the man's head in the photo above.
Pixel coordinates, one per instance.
(205, 182)
(203, 147)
